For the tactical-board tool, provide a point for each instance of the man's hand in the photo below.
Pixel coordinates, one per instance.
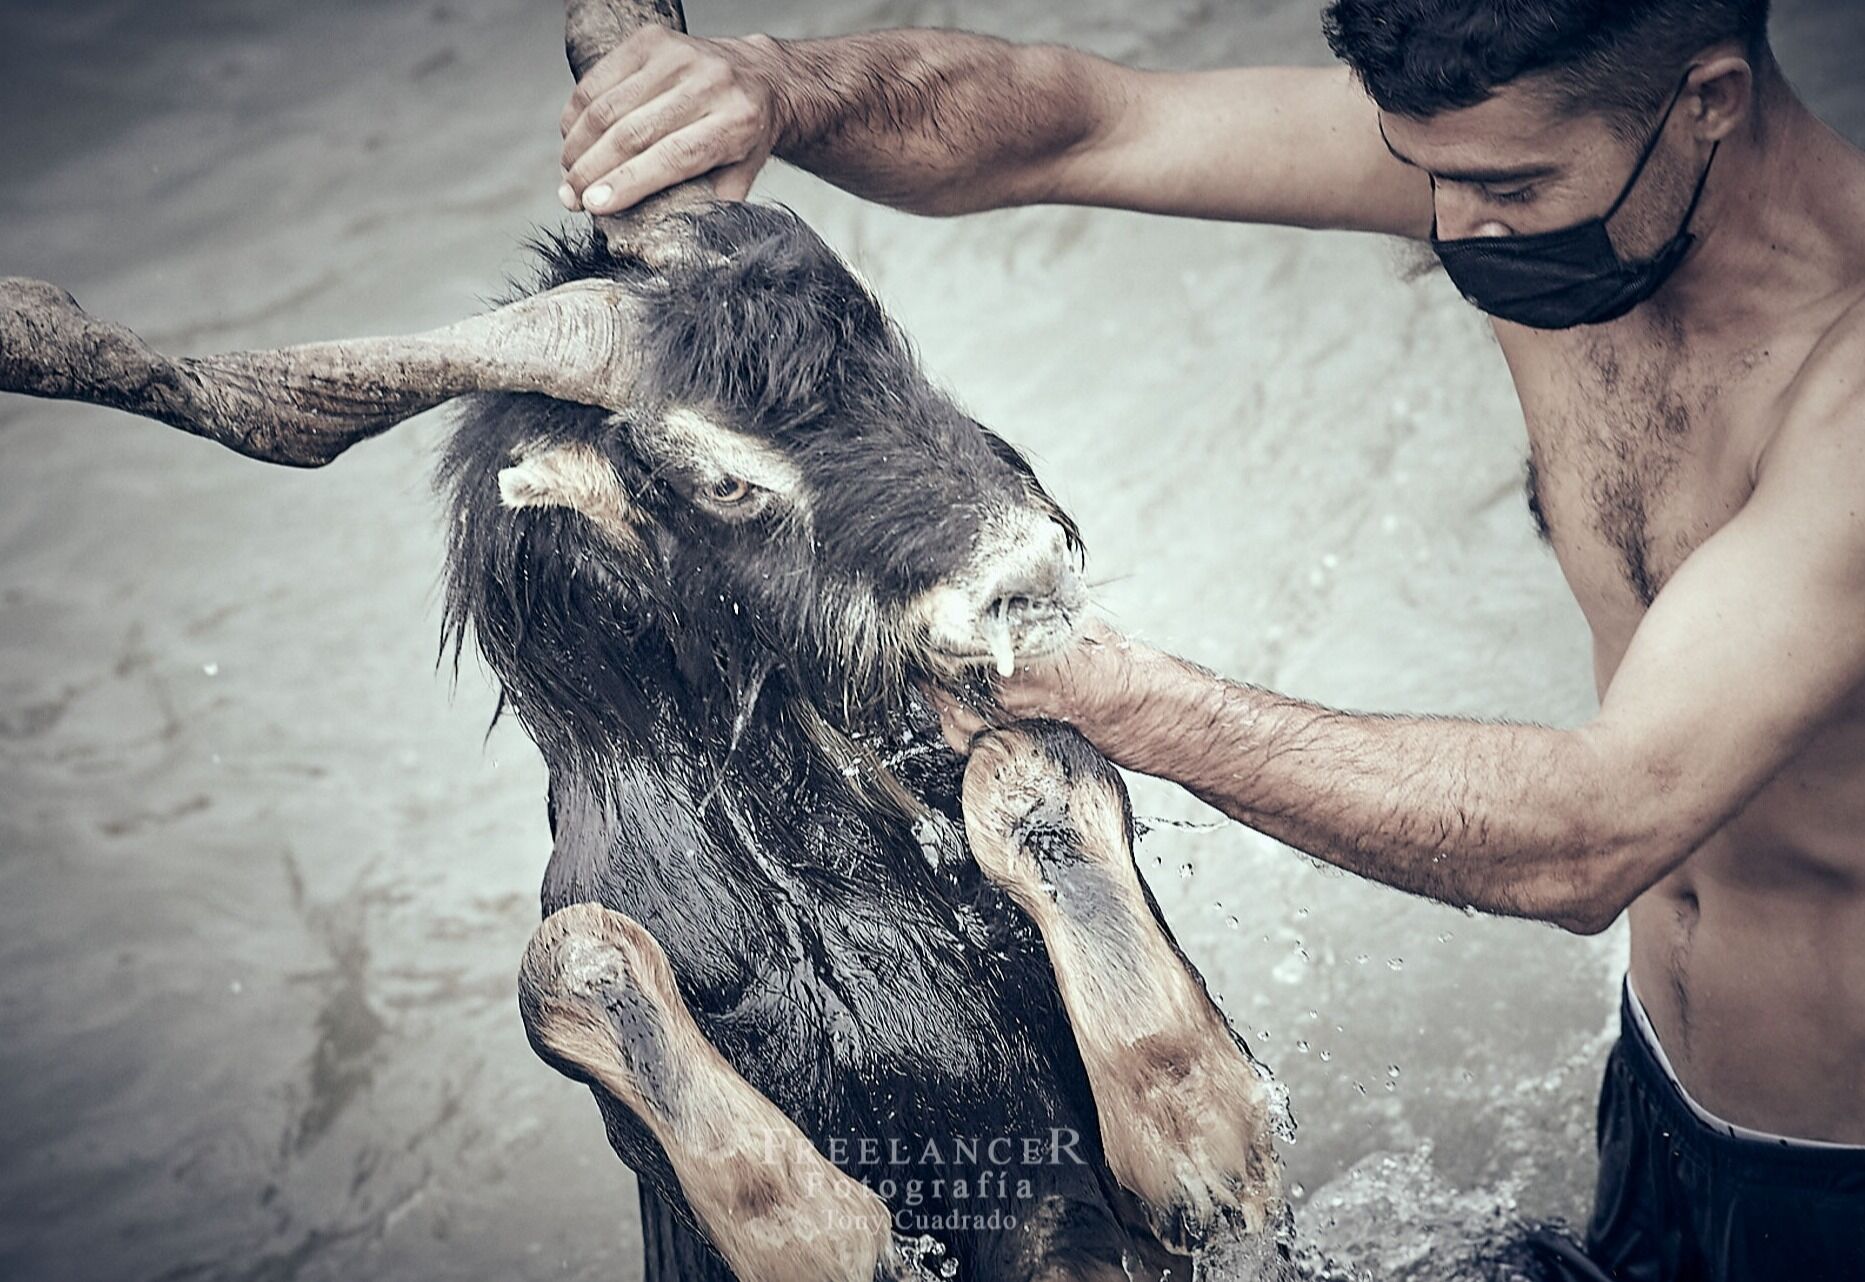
(663, 107)
(1091, 684)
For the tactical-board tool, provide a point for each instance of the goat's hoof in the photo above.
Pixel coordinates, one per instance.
(599, 1003)
(1185, 1114)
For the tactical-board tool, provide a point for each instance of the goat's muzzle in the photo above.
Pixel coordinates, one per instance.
(1018, 597)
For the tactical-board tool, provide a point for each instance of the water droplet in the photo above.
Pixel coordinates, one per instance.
(1360, 959)
(1231, 922)
(1185, 872)
(1300, 913)
(1326, 1056)
(1262, 1034)
(1302, 1046)
(1395, 963)
(1298, 1191)
(1360, 1086)
(210, 669)
(1445, 937)
(1392, 1070)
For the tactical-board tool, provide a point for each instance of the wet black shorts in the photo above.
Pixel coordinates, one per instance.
(1680, 1202)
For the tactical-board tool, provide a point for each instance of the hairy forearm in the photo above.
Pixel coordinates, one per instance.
(932, 121)
(1514, 819)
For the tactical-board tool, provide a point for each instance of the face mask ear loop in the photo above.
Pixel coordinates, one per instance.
(1651, 145)
(1703, 181)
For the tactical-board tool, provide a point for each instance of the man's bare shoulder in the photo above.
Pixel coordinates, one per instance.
(1820, 440)
(1830, 381)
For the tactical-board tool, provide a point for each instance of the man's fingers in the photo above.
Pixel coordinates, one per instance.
(725, 140)
(684, 154)
(658, 110)
(958, 724)
(615, 104)
(610, 70)
(629, 137)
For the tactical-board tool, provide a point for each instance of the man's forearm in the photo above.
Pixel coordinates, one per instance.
(932, 121)
(1513, 819)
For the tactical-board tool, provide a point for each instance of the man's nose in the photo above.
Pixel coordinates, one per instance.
(1462, 218)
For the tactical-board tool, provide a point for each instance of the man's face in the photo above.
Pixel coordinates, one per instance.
(1515, 165)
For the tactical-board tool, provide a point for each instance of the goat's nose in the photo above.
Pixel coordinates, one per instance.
(1032, 582)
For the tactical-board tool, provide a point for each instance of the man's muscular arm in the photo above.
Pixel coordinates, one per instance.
(1747, 652)
(944, 122)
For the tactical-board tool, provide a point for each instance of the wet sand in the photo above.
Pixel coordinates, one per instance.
(263, 888)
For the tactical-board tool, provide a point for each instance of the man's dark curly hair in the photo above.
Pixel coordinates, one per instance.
(1618, 58)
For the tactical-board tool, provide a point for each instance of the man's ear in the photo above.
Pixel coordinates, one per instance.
(1722, 89)
(575, 476)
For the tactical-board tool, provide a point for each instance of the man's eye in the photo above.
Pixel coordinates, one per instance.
(1513, 196)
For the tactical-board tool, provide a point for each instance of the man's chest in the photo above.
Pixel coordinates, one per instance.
(1638, 452)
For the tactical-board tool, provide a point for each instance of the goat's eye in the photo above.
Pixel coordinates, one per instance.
(729, 489)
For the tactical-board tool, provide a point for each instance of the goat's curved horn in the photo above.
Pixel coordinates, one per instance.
(302, 406)
(650, 230)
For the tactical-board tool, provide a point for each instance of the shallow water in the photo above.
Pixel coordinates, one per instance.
(262, 886)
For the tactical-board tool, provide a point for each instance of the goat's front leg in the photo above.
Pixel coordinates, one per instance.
(600, 1005)
(1185, 1115)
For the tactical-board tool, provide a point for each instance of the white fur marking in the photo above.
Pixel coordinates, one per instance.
(572, 476)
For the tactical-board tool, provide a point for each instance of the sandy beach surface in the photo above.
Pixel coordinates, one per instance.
(264, 881)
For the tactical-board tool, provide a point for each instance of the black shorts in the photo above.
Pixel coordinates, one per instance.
(1678, 1201)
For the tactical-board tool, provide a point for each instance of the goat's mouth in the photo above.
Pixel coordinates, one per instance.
(1003, 641)
(1006, 630)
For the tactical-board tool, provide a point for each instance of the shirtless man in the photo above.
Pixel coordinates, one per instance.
(1673, 249)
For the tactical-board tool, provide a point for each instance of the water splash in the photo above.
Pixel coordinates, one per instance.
(1393, 1218)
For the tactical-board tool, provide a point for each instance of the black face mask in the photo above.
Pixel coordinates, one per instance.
(1574, 276)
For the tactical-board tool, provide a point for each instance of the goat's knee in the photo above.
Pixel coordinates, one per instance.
(600, 1005)
(1185, 1114)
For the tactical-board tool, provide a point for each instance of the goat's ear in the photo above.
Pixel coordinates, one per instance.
(577, 477)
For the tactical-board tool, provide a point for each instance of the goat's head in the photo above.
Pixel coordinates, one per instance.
(704, 428)
(780, 487)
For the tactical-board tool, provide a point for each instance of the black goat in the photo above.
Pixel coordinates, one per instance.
(720, 675)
